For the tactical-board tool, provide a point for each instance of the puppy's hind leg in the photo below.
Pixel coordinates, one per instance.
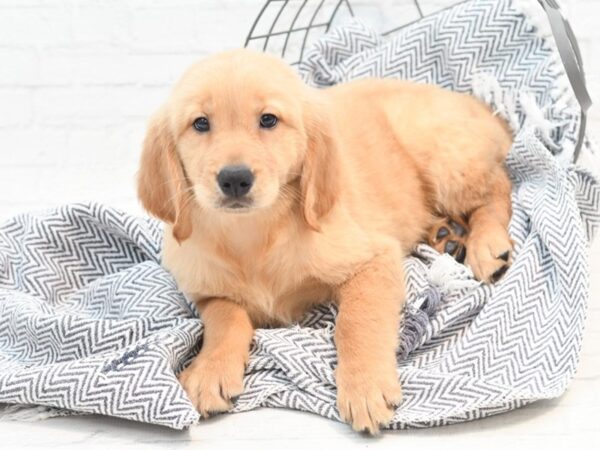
(489, 247)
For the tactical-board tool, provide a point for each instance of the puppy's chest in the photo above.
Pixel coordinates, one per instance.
(274, 285)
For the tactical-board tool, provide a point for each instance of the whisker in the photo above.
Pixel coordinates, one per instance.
(289, 193)
(186, 203)
(184, 191)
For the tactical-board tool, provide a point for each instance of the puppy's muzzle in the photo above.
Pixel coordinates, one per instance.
(235, 181)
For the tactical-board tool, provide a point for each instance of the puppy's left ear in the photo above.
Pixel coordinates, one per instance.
(320, 179)
(162, 182)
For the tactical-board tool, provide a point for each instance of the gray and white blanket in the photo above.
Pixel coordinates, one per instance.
(91, 323)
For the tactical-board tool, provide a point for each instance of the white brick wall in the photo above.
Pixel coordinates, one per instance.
(79, 78)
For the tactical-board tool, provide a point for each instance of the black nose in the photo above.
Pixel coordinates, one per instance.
(235, 181)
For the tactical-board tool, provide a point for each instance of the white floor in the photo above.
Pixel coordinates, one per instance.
(571, 421)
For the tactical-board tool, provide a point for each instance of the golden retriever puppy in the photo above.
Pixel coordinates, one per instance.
(278, 196)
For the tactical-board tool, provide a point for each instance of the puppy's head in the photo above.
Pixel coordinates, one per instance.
(239, 129)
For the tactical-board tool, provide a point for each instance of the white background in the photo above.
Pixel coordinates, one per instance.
(78, 81)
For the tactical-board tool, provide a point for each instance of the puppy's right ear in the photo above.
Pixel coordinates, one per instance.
(162, 183)
(319, 182)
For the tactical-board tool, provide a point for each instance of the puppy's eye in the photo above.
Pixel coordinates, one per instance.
(201, 124)
(268, 121)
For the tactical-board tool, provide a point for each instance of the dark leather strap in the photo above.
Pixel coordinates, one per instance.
(571, 58)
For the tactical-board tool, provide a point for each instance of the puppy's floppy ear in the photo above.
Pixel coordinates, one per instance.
(320, 179)
(162, 182)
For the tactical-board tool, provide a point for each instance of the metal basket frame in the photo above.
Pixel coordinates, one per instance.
(292, 29)
(563, 34)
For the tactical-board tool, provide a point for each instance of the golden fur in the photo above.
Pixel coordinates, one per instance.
(345, 185)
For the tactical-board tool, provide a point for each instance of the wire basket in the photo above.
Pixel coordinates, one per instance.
(288, 27)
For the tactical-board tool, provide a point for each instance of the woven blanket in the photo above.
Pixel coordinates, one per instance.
(91, 323)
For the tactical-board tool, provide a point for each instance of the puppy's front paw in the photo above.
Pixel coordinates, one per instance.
(367, 399)
(212, 381)
(489, 253)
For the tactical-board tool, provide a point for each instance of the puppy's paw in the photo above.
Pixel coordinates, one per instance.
(489, 253)
(367, 399)
(211, 382)
(448, 236)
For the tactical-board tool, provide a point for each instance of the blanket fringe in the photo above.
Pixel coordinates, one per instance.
(416, 321)
(487, 88)
(506, 103)
(448, 276)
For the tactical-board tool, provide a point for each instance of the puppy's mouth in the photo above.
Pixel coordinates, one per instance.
(236, 205)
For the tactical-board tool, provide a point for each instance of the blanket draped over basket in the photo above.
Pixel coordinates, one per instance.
(91, 323)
